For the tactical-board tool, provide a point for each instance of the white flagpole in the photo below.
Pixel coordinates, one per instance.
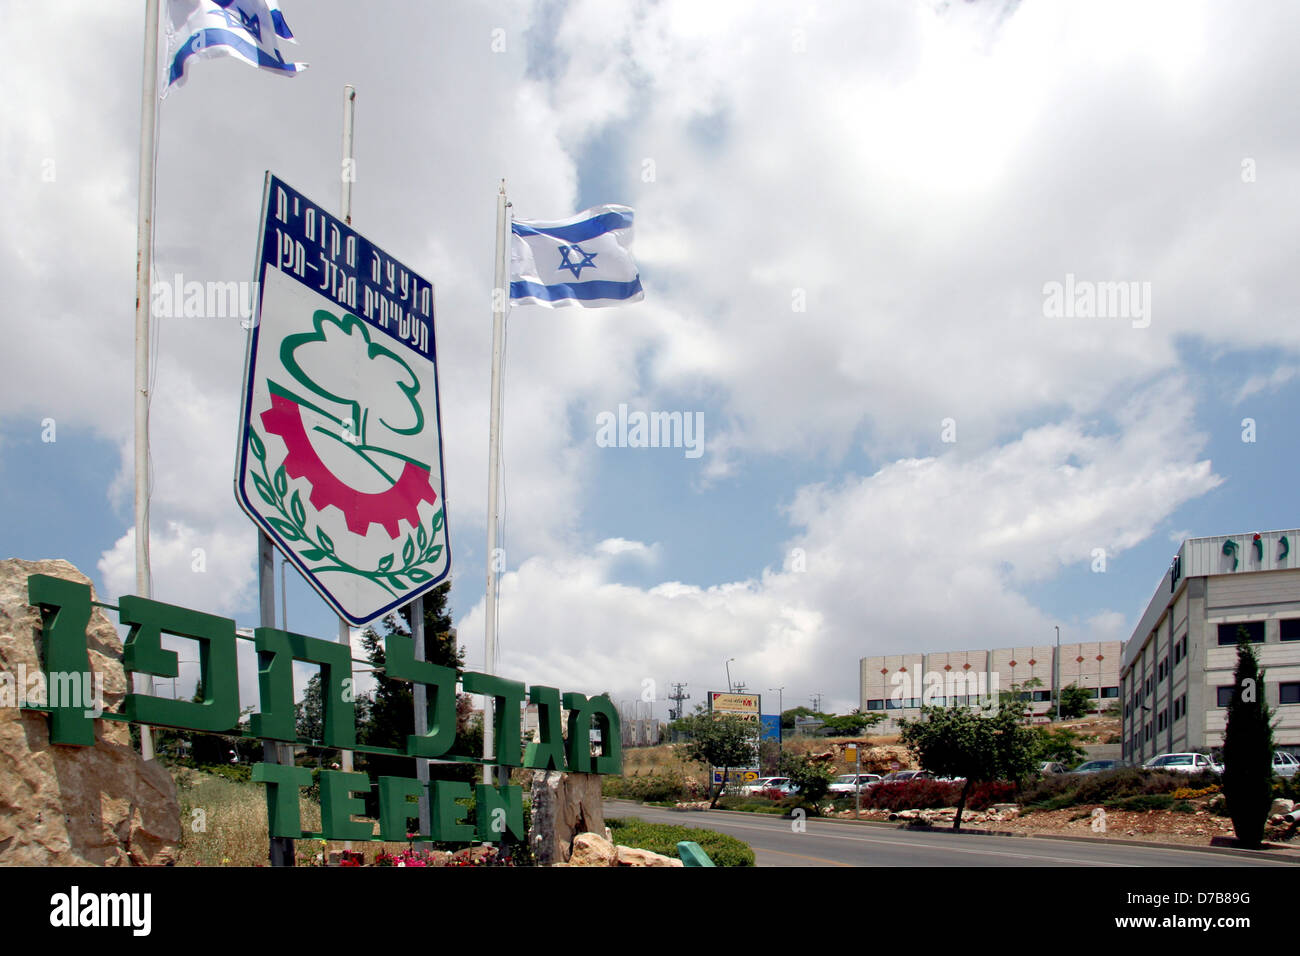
(500, 306)
(143, 275)
(346, 175)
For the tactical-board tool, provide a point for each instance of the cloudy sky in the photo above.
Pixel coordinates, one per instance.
(849, 220)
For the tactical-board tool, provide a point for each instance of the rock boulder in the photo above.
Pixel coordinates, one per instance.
(62, 805)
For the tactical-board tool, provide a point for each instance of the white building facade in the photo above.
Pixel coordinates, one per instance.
(900, 684)
(1177, 672)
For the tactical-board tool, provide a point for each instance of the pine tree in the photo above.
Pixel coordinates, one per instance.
(1248, 748)
(392, 708)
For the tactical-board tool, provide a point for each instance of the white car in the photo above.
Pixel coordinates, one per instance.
(766, 783)
(1285, 764)
(847, 783)
(1183, 763)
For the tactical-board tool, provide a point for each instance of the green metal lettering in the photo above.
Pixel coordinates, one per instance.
(65, 612)
(692, 854)
(276, 717)
(546, 753)
(497, 810)
(219, 710)
(396, 809)
(448, 815)
(276, 652)
(584, 715)
(507, 696)
(282, 785)
(440, 702)
(338, 805)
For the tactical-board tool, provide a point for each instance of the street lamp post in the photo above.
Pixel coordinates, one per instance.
(729, 660)
(1057, 660)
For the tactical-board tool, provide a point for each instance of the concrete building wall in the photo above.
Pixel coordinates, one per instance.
(899, 694)
(1182, 705)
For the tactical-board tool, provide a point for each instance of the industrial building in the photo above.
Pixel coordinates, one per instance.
(1177, 671)
(899, 684)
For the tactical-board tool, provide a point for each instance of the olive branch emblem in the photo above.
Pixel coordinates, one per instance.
(418, 548)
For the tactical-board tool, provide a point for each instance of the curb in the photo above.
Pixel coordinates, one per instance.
(1271, 851)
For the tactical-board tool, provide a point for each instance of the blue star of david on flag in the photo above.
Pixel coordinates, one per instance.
(576, 267)
(585, 260)
(249, 30)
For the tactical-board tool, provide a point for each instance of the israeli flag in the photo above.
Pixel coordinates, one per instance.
(585, 260)
(249, 30)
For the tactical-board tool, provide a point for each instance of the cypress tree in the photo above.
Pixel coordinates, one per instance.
(1248, 748)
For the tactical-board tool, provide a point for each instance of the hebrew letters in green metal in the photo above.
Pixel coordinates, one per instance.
(143, 652)
(65, 612)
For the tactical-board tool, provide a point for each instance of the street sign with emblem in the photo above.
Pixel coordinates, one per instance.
(340, 450)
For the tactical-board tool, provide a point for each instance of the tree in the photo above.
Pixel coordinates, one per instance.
(720, 740)
(850, 725)
(1075, 702)
(1059, 744)
(812, 777)
(788, 717)
(1248, 748)
(1019, 697)
(960, 742)
(391, 716)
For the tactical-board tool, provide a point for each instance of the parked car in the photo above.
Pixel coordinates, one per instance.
(1285, 764)
(1183, 763)
(900, 776)
(1097, 766)
(1051, 766)
(849, 783)
(765, 783)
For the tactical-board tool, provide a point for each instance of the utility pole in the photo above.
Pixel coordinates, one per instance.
(816, 700)
(1057, 673)
(675, 713)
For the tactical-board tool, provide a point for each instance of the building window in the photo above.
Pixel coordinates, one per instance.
(1162, 720)
(876, 704)
(1110, 692)
(1288, 693)
(1225, 695)
(1042, 695)
(1162, 670)
(1254, 632)
(1146, 733)
(1290, 629)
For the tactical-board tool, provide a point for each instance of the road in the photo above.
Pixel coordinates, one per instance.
(828, 843)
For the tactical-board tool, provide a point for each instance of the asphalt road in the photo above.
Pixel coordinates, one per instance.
(827, 843)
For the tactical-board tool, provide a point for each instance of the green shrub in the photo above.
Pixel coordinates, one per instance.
(1056, 791)
(644, 788)
(240, 773)
(663, 838)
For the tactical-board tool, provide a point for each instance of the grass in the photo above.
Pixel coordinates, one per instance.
(231, 828)
(663, 838)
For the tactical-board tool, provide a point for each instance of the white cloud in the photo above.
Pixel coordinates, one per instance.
(926, 554)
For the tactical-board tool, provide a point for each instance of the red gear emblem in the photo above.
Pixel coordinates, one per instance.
(360, 509)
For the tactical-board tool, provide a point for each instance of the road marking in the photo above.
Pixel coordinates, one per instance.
(817, 859)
